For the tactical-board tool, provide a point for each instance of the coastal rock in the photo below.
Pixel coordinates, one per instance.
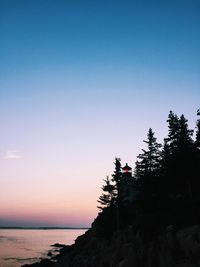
(49, 254)
(57, 245)
(42, 263)
(128, 248)
(171, 249)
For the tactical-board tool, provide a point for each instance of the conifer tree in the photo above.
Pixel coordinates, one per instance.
(165, 154)
(108, 197)
(147, 167)
(197, 141)
(195, 168)
(148, 163)
(117, 172)
(173, 131)
(178, 160)
(111, 189)
(179, 136)
(116, 177)
(185, 136)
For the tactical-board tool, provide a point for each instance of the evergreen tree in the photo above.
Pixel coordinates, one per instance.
(117, 172)
(197, 141)
(116, 178)
(178, 159)
(179, 136)
(148, 163)
(185, 141)
(165, 155)
(173, 131)
(195, 183)
(147, 167)
(111, 194)
(108, 197)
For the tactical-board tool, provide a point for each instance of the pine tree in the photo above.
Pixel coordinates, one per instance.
(116, 178)
(179, 136)
(197, 141)
(185, 135)
(195, 184)
(178, 159)
(108, 197)
(148, 163)
(111, 189)
(173, 131)
(117, 172)
(147, 169)
(165, 155)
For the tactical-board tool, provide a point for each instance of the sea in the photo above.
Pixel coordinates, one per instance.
(22, 246)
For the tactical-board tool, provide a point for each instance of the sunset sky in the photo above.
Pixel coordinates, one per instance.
(80, 84)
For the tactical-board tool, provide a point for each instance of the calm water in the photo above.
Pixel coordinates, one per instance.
(18, 247)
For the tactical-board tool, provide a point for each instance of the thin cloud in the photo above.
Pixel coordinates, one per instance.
(12, 154)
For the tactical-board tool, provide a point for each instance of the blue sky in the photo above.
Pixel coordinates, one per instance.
(80, 83)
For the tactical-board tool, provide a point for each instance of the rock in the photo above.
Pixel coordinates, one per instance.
(57, 245)
(42, 263)
(128, 248)
(49, 254)
(46, 263)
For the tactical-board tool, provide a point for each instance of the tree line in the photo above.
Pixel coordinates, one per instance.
(166, 171)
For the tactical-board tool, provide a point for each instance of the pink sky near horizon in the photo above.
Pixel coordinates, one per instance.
(48, 200)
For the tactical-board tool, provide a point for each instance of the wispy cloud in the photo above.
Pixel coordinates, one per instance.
(12, 154)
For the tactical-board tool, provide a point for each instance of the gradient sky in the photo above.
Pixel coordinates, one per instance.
(80, 83)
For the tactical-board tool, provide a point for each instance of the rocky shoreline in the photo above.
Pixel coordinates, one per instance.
(173, 248)
(52, 256)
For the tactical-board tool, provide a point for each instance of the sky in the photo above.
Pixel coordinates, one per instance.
(81, 82)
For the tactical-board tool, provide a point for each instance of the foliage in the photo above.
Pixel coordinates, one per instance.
(165, 176)
(148, 163)
(197, 141)
(108, 197)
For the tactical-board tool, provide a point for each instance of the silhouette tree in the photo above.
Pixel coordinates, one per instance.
(195, 168)
(177, 157)
(197, 141)
(149, 161)
(165, 154)
(179, 136)
(148, 165)
(185, 141)
(108, 197)
(173, 131)
(116, 178)
(117, 172)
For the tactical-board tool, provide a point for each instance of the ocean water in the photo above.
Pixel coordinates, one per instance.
(21, 246)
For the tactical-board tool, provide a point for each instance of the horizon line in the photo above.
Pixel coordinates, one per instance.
(42, 227)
